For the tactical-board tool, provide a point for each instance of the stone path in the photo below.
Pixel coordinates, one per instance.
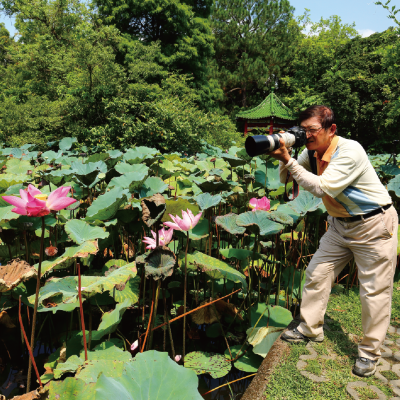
(389, 361)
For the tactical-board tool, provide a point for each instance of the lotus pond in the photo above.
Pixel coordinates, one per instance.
(134, 274)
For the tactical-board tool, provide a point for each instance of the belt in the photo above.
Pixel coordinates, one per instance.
(360, 217)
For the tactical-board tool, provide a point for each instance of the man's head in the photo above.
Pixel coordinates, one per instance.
(319, 121)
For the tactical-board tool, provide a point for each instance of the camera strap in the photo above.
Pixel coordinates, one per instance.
(295, 188)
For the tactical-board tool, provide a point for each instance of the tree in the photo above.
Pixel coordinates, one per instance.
(181, 27)
(254, 42)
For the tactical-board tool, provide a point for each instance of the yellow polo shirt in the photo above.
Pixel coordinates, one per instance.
(348, 178)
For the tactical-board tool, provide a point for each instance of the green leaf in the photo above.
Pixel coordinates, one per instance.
(206, 200)
(66, 143)
(124, 168)
(240, 254)
(213, 267)
(80, 231)
(233, 161)
(249, 362)
(152, 375)
(152, 186)
(131, 180)
(64, 261)
(160, 263)
(387, 169)
(228, 222)
(263, 339)
(106, 205)
(305, 202)
(292, 283)
(394, 187)
(202, 362)
(175, 207)
(87, 173)
(200, 231)
(279, 317)
(110, 320)
(259, 222)
(273, 181)
(18, 167)
(280, 217)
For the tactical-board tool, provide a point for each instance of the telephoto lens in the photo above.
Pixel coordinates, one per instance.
(263, 144)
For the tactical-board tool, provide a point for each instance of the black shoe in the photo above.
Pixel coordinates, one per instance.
(294, 336)
(364, 367)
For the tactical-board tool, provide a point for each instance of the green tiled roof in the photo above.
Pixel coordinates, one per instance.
(270, 107)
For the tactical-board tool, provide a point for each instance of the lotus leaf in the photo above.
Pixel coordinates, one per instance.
(152, 375)
(305, 202)
(51, 155)
(153, 209)
(124, 168)
(206, 200)
(233, 161)
(228, 223)
(212, 184)
(18, 167)
(152, 186)
(10, 180)
(131, 180)
(293, 284)
(240, 254)
(263, 338)
(87, 173)
(272, 182)
(66, 143)
(139, 154)
(58, 177)
(64, 261)
(160, 263)
(201, 230)
(80, 231)
(394, 187)
(13, 273)
(259, 222)
(202, 362)
(279, 317)
(110, 320)
(387, 169)
(213, 267)
(286, 209)
(175, 207)
(249, 362)
(106, 205)
(280, 217)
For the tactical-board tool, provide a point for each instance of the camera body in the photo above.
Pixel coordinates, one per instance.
(264, 144)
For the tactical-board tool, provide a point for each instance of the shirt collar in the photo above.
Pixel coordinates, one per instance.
(330, 150)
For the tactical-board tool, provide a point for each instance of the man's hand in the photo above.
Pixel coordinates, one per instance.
(282, 153)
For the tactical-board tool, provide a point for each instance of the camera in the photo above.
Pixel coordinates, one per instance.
(261, 144)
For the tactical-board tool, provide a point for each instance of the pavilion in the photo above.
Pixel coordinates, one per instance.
(271, 114)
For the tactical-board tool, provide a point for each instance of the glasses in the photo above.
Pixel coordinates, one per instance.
(313, 130)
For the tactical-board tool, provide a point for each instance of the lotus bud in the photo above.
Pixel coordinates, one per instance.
(178, 358)
(51, 251)
(135, 345)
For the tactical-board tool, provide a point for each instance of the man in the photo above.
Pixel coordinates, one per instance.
(362, 224)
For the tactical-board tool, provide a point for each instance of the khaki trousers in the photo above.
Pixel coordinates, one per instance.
(373, 244)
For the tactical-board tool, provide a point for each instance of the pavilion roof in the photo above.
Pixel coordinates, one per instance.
(272, 106)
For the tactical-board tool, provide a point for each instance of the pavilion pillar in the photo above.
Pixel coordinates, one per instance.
(271, 126)
(245, 128)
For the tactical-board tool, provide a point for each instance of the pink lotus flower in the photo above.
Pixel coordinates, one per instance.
(178, 358)
(135, 345)
(188, 221)
(261, 204)
(164, 237)
(34, 203)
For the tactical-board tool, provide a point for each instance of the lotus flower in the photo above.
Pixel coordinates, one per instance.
(135, 345)
(164, 237)
(261, 204)
(178, 358)
(188, 221)
(34, 203)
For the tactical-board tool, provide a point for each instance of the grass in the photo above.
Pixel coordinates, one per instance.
(345, 311)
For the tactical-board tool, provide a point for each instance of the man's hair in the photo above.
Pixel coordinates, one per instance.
(323, 113)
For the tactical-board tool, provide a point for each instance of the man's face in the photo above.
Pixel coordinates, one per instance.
(317, 138)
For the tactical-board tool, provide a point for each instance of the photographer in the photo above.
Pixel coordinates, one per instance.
(362, 224)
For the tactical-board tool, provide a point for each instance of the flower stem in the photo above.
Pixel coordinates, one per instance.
(184, 299)
(28, 383)
(81, 309)
(27, 343)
